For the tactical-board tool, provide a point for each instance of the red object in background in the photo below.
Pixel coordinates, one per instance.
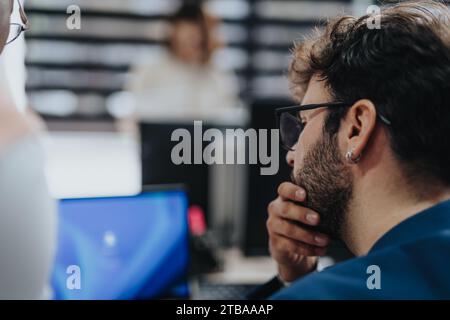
(197, 221)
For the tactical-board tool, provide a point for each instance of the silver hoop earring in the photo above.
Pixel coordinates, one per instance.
(349, 157)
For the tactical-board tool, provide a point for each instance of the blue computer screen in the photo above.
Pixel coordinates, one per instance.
(122, 247)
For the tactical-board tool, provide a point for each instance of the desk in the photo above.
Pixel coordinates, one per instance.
(240, 269)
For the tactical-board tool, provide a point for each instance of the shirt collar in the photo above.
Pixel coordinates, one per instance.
(429, 221)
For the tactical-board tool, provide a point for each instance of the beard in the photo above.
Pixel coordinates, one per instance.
(328, 183)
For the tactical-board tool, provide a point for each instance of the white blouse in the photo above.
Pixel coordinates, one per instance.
(168, 90)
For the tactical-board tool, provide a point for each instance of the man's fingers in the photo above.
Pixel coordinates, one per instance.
(288, 251)
(290, 191)
(291, 211)
(294, 232)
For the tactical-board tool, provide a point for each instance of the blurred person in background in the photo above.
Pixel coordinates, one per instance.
(27, 213)
(184, 84)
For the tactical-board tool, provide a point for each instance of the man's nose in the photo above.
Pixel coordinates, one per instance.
(290, 158)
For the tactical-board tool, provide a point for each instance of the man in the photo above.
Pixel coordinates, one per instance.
(371, 159)
(27, 215)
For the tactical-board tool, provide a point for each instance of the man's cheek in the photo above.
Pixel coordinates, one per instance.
(298, 164)
(301, 150)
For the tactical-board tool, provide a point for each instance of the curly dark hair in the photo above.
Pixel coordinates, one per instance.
(403, 68)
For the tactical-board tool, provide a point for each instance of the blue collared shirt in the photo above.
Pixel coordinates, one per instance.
(411, 261)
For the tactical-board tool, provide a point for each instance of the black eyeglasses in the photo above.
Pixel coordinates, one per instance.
(16, 29)
(291, 126)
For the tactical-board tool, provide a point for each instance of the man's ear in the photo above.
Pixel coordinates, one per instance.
(360, 123)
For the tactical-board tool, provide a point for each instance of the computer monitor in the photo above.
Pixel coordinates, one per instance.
(262, 189)
(158, 167)
(130, 247)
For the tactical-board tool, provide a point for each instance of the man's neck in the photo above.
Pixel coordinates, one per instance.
(381, 204)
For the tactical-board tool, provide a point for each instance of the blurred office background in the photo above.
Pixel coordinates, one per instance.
(74, 76)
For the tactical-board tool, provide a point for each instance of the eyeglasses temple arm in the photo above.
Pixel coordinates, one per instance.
(23, 16)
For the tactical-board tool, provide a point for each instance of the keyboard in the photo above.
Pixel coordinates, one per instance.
(214, 291)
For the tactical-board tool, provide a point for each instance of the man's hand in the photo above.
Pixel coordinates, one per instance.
(294, 248)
